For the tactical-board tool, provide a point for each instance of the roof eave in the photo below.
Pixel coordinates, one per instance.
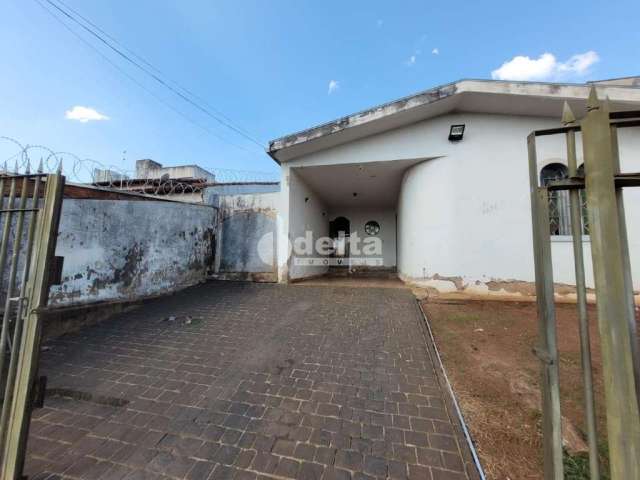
(434, 95)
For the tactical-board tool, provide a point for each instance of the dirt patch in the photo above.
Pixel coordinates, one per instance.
(486, 348)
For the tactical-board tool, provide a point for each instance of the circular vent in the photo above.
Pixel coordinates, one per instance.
(372, 227)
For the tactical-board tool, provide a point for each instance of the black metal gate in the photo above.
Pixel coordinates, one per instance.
(29, 217)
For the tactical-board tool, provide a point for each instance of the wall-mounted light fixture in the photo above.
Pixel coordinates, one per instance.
(456, 132)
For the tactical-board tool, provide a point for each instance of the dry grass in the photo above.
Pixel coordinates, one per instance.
(486, 348)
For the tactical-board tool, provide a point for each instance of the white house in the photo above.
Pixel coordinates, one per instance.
(450, 214)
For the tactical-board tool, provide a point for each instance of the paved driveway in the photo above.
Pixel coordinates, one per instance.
(233, 380)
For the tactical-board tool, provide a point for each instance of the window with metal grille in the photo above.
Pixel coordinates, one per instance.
(583, 201)
(559, 213)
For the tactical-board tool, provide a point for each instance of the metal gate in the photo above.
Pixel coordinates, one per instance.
(603, 183)
(29, 216)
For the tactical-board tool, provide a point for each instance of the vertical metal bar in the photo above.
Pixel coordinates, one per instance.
(38, 288)
(626, 265)
(13, 270)
(17, 336)
(581, 290)
(2, 217)
(548, 351)
(6, 229)
(565, 212)
(623, 417)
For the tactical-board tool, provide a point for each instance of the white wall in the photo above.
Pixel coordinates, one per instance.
(629, 139)
(358, 217)
(467, 213)
(307, 212)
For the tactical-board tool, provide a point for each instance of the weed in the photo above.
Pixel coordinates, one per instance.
(576, 467)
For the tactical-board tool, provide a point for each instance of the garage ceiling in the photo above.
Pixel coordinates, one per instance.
(376, 184)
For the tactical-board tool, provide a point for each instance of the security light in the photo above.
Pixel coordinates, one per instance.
(456, 133)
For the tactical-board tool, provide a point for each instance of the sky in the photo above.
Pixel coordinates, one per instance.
(272, 67)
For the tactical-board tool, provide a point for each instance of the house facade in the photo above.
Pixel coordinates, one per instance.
(443, 210)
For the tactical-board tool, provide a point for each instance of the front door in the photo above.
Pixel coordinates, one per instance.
(339, 231)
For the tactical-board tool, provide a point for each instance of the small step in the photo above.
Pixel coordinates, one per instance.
(362, 272)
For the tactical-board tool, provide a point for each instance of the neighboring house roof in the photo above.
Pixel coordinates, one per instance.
(482, 96)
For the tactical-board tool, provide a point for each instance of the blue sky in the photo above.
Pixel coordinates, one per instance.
(268, 66)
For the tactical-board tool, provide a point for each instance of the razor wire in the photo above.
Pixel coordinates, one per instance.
(25, 158)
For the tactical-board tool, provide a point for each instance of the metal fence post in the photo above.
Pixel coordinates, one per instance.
(623, 417)
(19, 315)
(581, 291)
(547, 352)
(37, 291)
(626, 264)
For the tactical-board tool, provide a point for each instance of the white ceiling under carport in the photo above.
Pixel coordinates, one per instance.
(376, 184)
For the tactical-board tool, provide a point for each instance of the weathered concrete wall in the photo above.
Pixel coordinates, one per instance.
(247, 235)
(239, 188)
(120, 250)
(150, 169)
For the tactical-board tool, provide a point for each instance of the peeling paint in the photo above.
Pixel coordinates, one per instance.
(439, 284)
(124, 250)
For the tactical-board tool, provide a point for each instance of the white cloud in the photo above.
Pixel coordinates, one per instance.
(525, 68)
(412, 61)
(435, 51)
(84, 114)
(579, 63)
(545, 67)
(333, 86)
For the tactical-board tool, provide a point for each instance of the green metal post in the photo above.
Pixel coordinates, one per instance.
(623, 417)
(19, 321)
(38, 291)
(548, 350)
(581, 291)
(626, 265)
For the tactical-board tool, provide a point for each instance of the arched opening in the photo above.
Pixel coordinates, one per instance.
(339, 225)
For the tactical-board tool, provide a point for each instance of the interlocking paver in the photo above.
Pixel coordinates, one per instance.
(298, 382)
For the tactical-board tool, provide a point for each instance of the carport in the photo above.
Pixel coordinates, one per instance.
(356, 200)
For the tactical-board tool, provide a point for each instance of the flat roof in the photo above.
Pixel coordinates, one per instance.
(468, 95)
